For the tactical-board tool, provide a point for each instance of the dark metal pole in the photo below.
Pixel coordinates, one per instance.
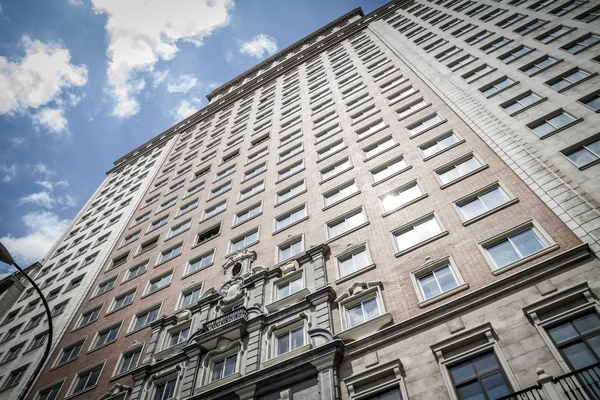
(7, 258)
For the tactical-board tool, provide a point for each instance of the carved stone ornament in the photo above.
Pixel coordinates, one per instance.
(118, 391)
(289, 267)
(232, 290)
(239, 263)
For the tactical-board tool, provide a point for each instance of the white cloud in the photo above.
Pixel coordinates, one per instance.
(42, 199)
(8, 172)
(183, 84)
(52, 120)
(259, 46)
(18, 141)
(159, 77)
(185, 108)
(42, 229)
(142, 32)
(38, 78)
(45, 184)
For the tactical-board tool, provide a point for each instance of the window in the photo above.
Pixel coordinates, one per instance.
(248, 214)
(50, 393)
(89, 317)
(14, 377)
(331, 149)
(170, 254)
(577, 340)
(86, 380)
(412, 108)
(552, 123)
(30, 306)
(439, 144)
(335, 169)
(188, 207)
(530, 27)
(144, 318)
(401, 94)
(458, 169)
(479, 377)
(129, 361)
(158, 223)
(590, 15)
(291, 191)
(105, 286)
(339, 193)
(289, 287)
(219, 190)
(290, 249)
(179, 228)
(483, 202)
(194, 189)
(586, 154)
(166, 205)
(362, 312)
(291, 152)
(141, 219)
(216, 209)
(225, 172)
(515, 54)
(244, 241)
(417, 232)
(290, 340)
(59, 309)
(592, 101)
(122, 301)
(207, 234)
(400, 197)
(569, 79)
(252, 190)
(34, 321)
(11, 333)
(539, 65)
(516, 246)
(290, 217)
(389, 169)
(495, 45)
(497, 86)
(554, 34)
(353, 261)
(137, 270)
(521, 102)
(251, 173)
(346, 223)
(566, 7)
(38, 340)
(201, 262)
(190, 297)
(159, 283)
(538, 5)
(106, 336)
(423, 125)
(13, 352)
(379, 147)
(165, 390)
(224, 368)
(69, 353)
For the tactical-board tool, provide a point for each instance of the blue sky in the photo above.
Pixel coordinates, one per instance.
(82, 82)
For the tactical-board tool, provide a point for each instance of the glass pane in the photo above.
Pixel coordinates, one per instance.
(445, 278)
(473, 209)
(594, 343)
(595, 146)
(283, 344)
(502, 253)
(467, 166)
(579, 355)
(494, 198)
(346, 266)
(527, 242)
(428, 229)
(587, 323)
(450, 175)
(582, 157)
(429, 286)
(297, 338)
(295, 285)
(371, 308)
(594, 103)
(391, 395)
(355, 315)
(561, 120)
(543, 129)
(461, 372)
(230, 365)
(448, 141)
(407, 239)
(485, 363)
(562, 333)
(495, 386)
(361, 259)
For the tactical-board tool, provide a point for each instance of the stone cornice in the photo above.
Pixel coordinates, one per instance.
(234, 95)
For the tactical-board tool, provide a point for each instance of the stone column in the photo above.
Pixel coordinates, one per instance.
(327, 376)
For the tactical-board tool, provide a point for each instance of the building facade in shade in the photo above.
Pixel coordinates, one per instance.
(358, 218)
(68, 271)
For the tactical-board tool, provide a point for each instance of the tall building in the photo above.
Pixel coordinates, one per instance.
(401, 205)
(70, 268)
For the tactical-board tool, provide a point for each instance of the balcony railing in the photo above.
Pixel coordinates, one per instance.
(224, 319)
(582, 384)
(531, 393)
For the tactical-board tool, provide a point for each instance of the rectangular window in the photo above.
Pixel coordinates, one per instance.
(201, 262)
(539, 65)
(362, 312)
(515, 54)
(131, 238)
(505, 23)
(89, 317)
(194, 189)
(495, 45)
(243, 241)
(418, 232)
(577, 339)
(459, 168)
(353, 261)
(424, 124)
(290, 249)
(105, 286)
(586, 154)
(122, 301)
(180, 228)
(439, 144)
(225, 172)
(137, 270)
(251, 173)
(521, 102)
(208, 234)
(479, 377)
(530, 27)
(379, 147)
(190, 297)
(159, 283)
(129, 361)
(515, 246)
(216, 209)
(289, 287)
(401, 95)
(566, 7)
(170, 254)
(497, 87)
(291, 152)
(290, 340)
(551, 123)
(483, 202)
(335, 169)
(87, 379)
(569, 79)
(106, 336)
(389, 169)
(224, 368)
(69, 353)
(50, 393)
(339, 193)
(252, 190)
(248, 213)
(167, 204)
(219, 190)
(291, 191)
(590, 15)
(179, 336)
(145, 318)
(188, 207)
(554, 34)
(371, 129)
(400, 197)
(346, 223)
